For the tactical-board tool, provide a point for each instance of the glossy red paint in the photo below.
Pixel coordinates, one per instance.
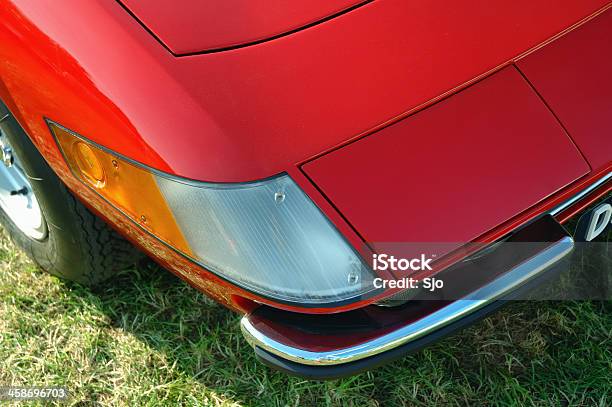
(412, 179)
(573, 76)
(267, 106)
(256, 111)
(202, 25)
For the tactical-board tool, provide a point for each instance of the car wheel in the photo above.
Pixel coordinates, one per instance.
(44, 219)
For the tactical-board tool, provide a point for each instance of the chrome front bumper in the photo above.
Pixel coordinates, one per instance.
(495, 290)
(310, 359)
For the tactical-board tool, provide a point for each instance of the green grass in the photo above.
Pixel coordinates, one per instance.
(149, 339)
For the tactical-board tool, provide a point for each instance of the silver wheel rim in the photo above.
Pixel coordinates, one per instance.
(17, 198)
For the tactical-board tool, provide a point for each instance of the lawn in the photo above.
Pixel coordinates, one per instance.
(149, 339)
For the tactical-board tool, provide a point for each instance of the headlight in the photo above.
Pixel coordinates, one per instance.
(267, 237)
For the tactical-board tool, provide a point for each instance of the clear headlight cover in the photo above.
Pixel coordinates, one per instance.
(267, 237)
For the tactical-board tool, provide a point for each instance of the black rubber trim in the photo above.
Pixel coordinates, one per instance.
(352, 368)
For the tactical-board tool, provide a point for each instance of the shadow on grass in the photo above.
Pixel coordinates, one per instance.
(149, 338)
(531, 352)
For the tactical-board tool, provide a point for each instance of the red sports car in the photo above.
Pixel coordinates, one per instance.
(322, 167)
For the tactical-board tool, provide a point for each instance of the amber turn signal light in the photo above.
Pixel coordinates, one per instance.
(88, 164)
(125, 185)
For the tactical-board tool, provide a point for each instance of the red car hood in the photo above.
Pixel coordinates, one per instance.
(256, 111)
(449, 174)
(192, 26)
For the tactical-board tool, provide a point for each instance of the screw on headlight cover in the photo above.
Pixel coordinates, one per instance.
(279, 197)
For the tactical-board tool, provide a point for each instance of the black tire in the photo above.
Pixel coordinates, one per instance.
(79, 246)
